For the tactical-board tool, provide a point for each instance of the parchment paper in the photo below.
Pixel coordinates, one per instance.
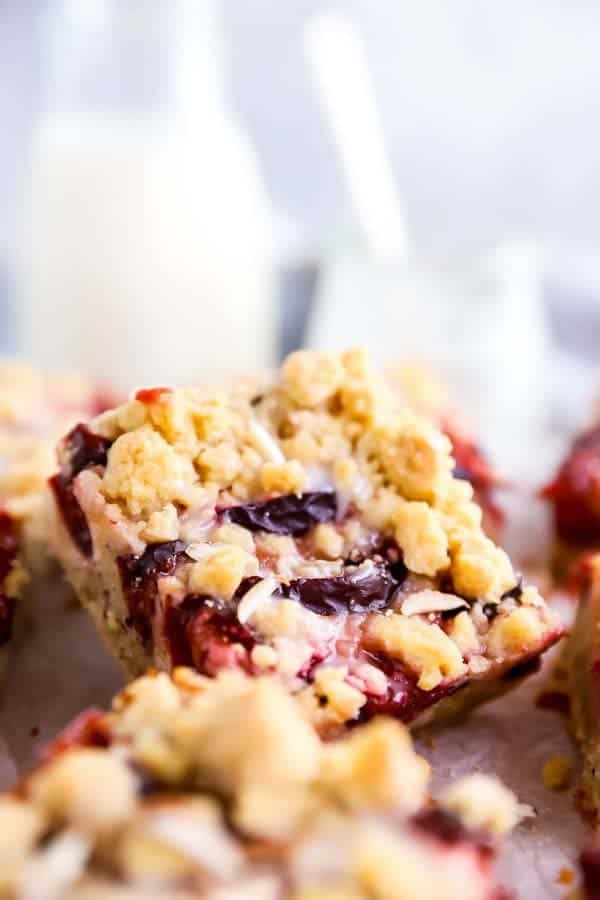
(61, 668)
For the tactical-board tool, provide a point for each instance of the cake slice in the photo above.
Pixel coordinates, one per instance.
(309, 526)
(35, 409)
(212, 789)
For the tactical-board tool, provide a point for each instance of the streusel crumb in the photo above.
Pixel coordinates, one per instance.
(222, 786)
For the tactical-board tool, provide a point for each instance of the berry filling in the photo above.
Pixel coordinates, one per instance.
(139, 577)
(201, 632)
(292, 514)
(403, 699)
(447, 828)
(88, 729)
(205, 632)
(349, 593)
(8, 554)
(84, 449)
(575, 492)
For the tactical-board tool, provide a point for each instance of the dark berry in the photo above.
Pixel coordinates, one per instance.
(515, 592)
(344, 593)
(490, 611)
(291, 514)
(139, 578)
(84, 449)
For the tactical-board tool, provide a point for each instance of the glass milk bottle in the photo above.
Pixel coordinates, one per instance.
(147, 243)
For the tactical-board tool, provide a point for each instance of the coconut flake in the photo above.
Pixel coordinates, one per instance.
(363, 571)
(198, 836)
(53, 870)
(430, 602)
(265, 442)
(318, 478)
(198, 552)
(257, 596)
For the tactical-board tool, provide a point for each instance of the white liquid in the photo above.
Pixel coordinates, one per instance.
(147, 259)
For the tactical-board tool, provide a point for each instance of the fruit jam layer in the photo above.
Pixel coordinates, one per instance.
(575, 492)
(333, 615)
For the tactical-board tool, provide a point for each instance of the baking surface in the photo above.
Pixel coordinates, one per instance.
(61, 668)
(513, 738)
(58, 669)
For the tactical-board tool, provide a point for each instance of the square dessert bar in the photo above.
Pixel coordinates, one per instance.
(220, 789)
(35, 409)
(309, 526)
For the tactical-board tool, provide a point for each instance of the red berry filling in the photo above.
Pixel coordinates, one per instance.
(139, 577)
(8, 554)
(85, 449)
(205, 634)
(88, 729)
(448, 829)
(403, 699)
(575, 492)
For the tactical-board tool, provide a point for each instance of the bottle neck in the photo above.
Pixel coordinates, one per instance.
(133, 58)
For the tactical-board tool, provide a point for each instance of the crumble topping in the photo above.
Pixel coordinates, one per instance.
(186, 448)
(305, 523)
(223, 785)
(35, 408)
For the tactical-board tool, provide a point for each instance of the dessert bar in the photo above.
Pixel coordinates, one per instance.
(308, 525)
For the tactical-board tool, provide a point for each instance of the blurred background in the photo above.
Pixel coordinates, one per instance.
(193, 187)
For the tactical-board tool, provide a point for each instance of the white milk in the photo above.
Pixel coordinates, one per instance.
(147, 250)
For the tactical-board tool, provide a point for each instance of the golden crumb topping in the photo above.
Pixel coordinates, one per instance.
(325, 421)
(224, 784)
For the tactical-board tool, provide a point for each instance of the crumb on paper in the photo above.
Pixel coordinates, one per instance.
(483, 802)
(565, 875)
(556, 773)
